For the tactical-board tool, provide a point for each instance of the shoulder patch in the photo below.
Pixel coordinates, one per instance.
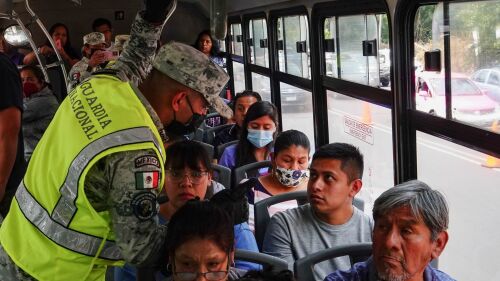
(147, 160)
(147, 180)
(144, 206)
(75, 76)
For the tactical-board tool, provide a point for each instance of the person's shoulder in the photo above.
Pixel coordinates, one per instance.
(229, 152)
(358, 272)
(439, 275)
(299, 215)
(362, 216)
(232, 148)
(7, 66)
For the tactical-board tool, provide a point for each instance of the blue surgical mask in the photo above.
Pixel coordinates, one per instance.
(260, 138)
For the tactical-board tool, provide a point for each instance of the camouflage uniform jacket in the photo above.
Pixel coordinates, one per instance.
(79, 72)
(111, 183)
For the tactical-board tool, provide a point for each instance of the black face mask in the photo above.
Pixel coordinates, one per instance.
(177, 128)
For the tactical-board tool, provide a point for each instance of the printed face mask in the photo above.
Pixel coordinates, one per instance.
(260, 138)
(289, 177)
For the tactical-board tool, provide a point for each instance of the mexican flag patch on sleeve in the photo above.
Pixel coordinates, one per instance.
(147, 180)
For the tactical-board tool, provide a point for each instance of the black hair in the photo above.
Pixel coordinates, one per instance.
(215, 51)
(350, 158)
(244, 150)
(200, 219)
(36, 71)
(246, 93)
(268, 275)
(187, 153)
(100, 21)
(53, 28)
(291, 137)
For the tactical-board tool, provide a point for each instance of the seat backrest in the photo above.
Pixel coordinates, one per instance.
(213, 119)
(241, 173)
(267, 261)
(262, 216)
(304, 267)
(209, 148)
(220, 148)
(57, 82)
(209, 133)
(261, 211)
(222, 174)
(359, 203)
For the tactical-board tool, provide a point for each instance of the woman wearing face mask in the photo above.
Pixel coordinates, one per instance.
(40, 105)
(256, 140)
(189, 176)
(290, 161)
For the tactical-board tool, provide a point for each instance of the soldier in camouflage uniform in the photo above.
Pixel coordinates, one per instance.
(94, 58)
(176, 94)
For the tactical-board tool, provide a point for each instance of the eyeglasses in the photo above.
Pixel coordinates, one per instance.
(194, 176)
(204, 109)
(209, 275)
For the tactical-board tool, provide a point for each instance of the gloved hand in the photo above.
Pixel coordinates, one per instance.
(156, 10)
(234, 201)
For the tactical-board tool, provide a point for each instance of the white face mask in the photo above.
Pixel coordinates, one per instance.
(289, 177)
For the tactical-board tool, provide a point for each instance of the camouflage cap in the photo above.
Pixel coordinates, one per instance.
(94, 38)
(195, 70)
(120, 41)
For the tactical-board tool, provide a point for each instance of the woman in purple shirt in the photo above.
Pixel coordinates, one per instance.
(259, 130)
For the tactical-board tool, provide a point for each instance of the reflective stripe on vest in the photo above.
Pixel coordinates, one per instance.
(55, 227)
(66, 208)
(65, 237)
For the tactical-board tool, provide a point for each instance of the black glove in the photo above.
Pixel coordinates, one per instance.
(156, 10)
(234, 201)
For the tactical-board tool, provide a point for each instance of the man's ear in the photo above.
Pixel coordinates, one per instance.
(439, 244)
(355, 187)
(177, 99)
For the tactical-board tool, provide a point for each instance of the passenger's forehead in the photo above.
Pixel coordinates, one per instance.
(401, 214)
(324, 165)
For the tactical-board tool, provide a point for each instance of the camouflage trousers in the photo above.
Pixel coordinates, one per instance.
(9, 271)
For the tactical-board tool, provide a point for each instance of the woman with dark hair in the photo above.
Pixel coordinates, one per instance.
(60, 35)
(39, 104)
(200, 241)
(290, 161)
(206, 44)
(258, 132)
(188, 176)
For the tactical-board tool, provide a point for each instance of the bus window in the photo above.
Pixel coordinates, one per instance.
(237, 39)
(330, 33)
(353, 65)
(239, 77)
(296, 110)
(466, 34)
(293, 46)
(261, 85)
(471, 188)
(367, 126)
(222, 45)
(259, 54)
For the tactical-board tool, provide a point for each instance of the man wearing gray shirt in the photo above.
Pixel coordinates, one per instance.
(330, 219)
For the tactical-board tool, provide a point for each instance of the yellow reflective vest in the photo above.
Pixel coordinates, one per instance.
(51, 231)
